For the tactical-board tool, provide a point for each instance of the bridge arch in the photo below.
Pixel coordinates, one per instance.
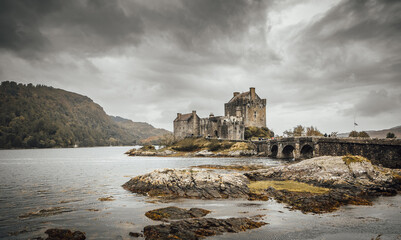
(306, 151)
(274, 151)
(288, 151)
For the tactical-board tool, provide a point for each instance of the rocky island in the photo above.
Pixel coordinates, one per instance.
(316, 185)
(199, 147)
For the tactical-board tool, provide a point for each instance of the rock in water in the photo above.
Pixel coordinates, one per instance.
(190, 183)
(176, 213)
(349, 179)
(135, 234)
(199, 228)
(46, 212)
(331, 172)
(64, 234)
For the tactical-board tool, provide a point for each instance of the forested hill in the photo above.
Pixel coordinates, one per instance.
(40, 116)
(142, 129)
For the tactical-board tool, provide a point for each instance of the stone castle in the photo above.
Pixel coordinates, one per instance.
(243, 110)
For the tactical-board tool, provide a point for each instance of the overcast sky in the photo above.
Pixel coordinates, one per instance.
(317, 62)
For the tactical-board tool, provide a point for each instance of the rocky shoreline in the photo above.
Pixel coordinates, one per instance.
(316, 185)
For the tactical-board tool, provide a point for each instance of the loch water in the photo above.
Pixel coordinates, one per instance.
(67, 183)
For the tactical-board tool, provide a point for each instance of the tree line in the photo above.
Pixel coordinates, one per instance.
(41, 117)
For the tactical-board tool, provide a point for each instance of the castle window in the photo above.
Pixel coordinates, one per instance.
(255, 114)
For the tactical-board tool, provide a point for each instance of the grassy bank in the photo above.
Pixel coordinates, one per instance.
(212, 145)
(191, 146)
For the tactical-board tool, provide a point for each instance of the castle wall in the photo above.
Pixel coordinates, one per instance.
(253, 111)
(236, 129)
(209, 127)
(222, 127)
(182, 129)
(185, 128)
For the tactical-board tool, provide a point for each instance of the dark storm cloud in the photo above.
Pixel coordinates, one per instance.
(194, 24)
(352, 31)
(360, 20)
(376, 103)
(96, 26)
(40, 26)
(19, 25)
(356, 44)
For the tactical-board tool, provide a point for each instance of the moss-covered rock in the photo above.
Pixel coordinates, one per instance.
(289, 185)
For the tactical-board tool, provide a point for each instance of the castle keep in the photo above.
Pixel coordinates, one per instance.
(243, 110)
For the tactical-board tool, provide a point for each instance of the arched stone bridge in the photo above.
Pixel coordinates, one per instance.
(380, 151)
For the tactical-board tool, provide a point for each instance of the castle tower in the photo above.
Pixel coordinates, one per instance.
(249, 106)
(186, 125)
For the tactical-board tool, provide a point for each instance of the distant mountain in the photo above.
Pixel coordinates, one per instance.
(144, 130)
(379, 133)
(40, 116)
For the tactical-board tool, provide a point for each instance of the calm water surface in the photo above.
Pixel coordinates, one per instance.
(72, 180)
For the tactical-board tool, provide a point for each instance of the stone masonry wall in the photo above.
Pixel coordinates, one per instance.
(187, 128)
(383, 152)
(378, 151)
(253, 111)
(222, 127)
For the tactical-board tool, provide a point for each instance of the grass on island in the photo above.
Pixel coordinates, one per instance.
(148, 148)
(289, 185)
(233, 167)
(348, 159)
(190, 144)
(186, 145)
(214, 145)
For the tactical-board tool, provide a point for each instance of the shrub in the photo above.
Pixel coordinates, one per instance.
(262, 132)
(148, 148)
(363, 134)
(353, 134)
(187, 145)
(390, 135)
(214, 145)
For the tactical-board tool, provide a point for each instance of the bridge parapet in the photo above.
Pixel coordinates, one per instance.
(386, 152)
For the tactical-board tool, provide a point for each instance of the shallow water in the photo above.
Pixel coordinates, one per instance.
(70, 181)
